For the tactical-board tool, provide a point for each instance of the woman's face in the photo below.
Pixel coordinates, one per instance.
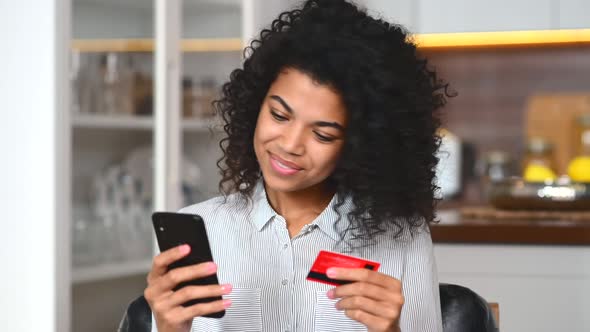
(300, 132)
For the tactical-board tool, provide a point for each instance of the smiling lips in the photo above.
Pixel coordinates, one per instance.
(282, 166)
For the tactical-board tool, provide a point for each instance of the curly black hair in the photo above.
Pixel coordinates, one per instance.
(391, 96)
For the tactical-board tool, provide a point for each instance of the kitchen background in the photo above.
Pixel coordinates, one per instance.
(518, 98)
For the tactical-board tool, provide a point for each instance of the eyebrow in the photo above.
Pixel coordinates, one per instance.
(288, 108)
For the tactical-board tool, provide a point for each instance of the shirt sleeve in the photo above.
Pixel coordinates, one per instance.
(421, 311)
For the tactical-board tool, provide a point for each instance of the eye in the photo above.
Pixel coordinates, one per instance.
(323, 138)
(277, 116)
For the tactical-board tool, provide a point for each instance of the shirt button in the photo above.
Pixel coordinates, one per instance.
(284, 282)
(285, 246)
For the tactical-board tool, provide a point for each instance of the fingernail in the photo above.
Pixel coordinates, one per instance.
(184, 249)
(330, 294)
(331, 272)
(226, 303)
(211, 267)
(226, 289)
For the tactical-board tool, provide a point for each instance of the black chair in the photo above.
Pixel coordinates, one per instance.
(462, 311)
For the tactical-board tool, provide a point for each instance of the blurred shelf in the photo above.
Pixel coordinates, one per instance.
(113, 121)
(103, 272)
(135, 122)
(147, 45)
(501, 39)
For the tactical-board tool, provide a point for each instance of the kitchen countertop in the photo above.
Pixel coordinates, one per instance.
(454, 228)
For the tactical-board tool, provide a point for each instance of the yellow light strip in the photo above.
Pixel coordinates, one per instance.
(435, 41)
(147, 45)
(503, 39)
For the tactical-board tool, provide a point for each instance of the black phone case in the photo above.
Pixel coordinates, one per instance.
(173, 229)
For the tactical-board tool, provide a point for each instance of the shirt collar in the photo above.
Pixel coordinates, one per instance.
(263, 213)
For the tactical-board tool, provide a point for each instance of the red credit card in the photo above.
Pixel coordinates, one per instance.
(328, 259)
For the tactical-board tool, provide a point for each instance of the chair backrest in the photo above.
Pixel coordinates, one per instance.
(137, 318)
(496, 311)
(462, 311)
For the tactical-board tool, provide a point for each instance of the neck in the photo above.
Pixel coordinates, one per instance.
(300, 207)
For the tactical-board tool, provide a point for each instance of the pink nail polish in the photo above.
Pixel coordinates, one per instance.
(331, 273)
(185, 249)
(226, 303)
(330, 294)
(226, 289)
(211, 267)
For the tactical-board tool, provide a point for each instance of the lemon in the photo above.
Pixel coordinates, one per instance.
(538, 173)
(579, 169)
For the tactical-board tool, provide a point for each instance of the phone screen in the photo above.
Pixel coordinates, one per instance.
(173, 229)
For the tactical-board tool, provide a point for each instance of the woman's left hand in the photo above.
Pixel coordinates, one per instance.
(373, 299)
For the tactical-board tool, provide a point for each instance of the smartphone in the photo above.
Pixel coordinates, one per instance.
(173, 229)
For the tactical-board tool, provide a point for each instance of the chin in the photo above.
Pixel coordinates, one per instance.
(282, 185)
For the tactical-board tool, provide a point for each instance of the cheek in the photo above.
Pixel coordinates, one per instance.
(326, 158)
(265, 130)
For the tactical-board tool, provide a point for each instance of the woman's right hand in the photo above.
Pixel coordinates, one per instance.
(166, 304)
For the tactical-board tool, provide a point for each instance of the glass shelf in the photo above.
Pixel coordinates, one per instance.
(133, 122)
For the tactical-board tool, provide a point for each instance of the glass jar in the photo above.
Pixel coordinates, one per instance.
(495, 166)
(539, 152)
(581, 144)
(116, 84)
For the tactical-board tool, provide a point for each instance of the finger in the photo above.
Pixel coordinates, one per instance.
(372, 322)
(181, 315)
(373, 291)
(366, 275)
(164, 259)
(390, 311)
(176, 276)
(202, 309)
(197, 292)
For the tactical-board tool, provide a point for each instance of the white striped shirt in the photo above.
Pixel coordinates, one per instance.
(267, 269)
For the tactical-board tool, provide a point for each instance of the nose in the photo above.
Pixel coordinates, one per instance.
(292, 140)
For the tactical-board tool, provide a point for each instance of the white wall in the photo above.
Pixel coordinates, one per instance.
(34, 284)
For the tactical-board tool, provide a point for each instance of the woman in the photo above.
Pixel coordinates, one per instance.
(331, 140)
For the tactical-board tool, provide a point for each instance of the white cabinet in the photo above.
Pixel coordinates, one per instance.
(574, 14)
(475, 16)
(404, 12)
(538, 288)
(432, 16)
(109, 267)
